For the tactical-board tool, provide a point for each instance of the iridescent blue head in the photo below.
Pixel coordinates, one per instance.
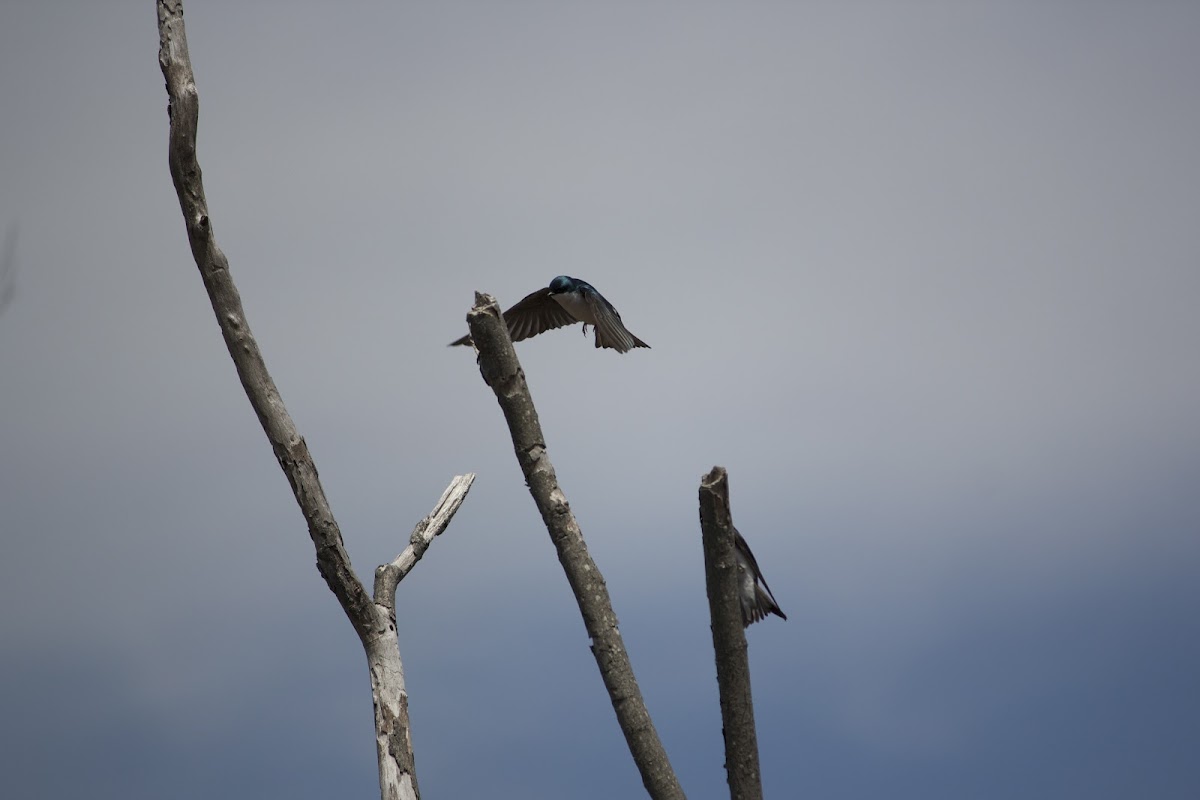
(562, 284)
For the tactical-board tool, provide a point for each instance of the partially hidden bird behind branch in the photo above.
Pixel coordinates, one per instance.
(755, 596)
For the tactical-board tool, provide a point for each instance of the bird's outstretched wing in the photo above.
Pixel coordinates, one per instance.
(610, 331)
(536, 313)
(764, 599)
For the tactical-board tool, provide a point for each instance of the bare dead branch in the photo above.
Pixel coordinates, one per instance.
(374, 623)
(502, 372)
(393, 734)
(290, 448)
(729, 638)
(388, 576)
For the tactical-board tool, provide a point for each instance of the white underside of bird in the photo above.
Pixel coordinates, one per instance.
(574, 304)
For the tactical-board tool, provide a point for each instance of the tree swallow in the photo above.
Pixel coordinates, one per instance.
(564, 302)
(753, 592)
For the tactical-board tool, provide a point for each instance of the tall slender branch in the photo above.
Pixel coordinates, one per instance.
(373, 620)
(288, 445)
(502, 372)
(729, 638)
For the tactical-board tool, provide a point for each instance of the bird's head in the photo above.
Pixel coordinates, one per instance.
(562, 284)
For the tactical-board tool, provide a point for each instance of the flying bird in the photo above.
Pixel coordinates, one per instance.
(753, 592)
(566, 301)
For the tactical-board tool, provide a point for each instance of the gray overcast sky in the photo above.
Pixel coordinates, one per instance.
(923, 276)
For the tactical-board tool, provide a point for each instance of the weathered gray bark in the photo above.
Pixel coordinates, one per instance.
(502, 372)
(393, 736)
(374, 619)
(729, 638)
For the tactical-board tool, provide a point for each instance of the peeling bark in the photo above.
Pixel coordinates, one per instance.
(374, 620)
